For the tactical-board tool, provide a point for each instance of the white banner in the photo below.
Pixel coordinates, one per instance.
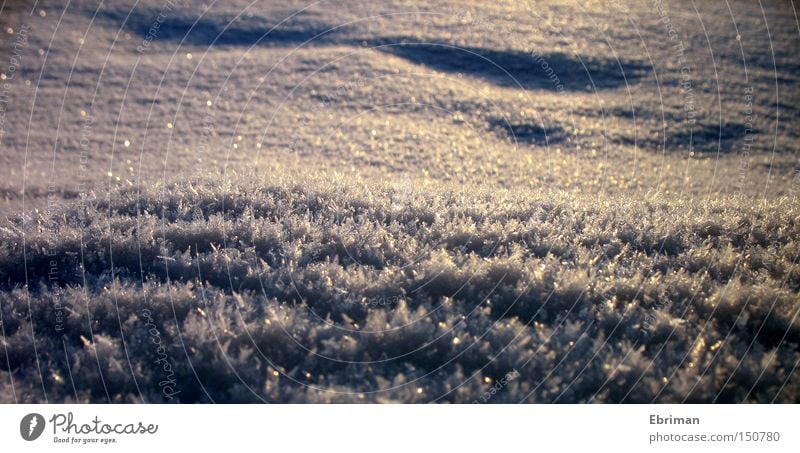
(400, 428)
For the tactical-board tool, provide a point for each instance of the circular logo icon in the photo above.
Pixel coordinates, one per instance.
(31, 426)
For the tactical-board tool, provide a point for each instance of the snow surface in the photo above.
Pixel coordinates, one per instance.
(398, 201)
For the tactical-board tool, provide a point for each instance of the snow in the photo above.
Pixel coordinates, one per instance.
(397, 201)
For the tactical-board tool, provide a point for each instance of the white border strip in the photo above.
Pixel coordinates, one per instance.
(401, 428)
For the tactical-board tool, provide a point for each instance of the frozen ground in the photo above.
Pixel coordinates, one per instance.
(391, 201)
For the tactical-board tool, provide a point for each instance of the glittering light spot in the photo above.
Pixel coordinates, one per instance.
(456, 340)
(169, 125)
(81, 41)
(487, 380)
(239, 138)
(110, 174)
(42, 13)
(10, 31)
(209, 103)
(258, 145)
(127, 143)
(41, 52)
(83, 112)
(419, 390)
(275, 373)
(235, 146)
(3, 76)
(188, 55)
